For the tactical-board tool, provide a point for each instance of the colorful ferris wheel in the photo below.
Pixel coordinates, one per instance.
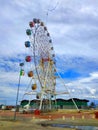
(41, 62)
(42, 71)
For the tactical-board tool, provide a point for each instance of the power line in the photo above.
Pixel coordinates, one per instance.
(51, 9)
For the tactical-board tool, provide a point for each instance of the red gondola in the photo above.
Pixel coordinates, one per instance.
(28, 58)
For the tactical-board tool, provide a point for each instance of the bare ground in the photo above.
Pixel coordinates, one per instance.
(42, 122)
(27, 125)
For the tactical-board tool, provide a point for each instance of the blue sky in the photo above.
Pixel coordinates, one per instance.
(73, 26)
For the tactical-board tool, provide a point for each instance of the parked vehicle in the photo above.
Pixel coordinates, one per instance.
(26, 109)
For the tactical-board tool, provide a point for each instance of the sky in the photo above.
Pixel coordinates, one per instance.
(73, 26)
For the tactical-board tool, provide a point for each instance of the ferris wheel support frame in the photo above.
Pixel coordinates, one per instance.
(43, 89)
(68, 91)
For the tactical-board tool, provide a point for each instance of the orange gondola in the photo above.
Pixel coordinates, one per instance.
(30, 74)
(34, 86)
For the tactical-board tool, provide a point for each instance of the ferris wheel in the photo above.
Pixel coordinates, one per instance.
(42, 69)
(41, 61)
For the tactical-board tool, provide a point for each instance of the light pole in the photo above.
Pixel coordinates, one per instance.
(20, 74)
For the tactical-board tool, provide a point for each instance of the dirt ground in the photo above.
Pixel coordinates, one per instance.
(43, 121)
(25, 125)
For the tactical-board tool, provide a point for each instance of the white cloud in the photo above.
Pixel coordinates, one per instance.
(84, 87)
(73, 26)
(93, 76)
(89, 10)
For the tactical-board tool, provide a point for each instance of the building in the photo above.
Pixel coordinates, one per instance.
(68, 104)
(58, 103)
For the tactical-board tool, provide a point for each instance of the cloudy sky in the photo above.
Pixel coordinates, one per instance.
(73, 25)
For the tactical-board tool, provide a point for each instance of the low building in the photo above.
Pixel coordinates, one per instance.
(69, 104)
(58, 103)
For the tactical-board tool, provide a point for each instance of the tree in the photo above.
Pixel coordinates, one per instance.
(92, 105)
